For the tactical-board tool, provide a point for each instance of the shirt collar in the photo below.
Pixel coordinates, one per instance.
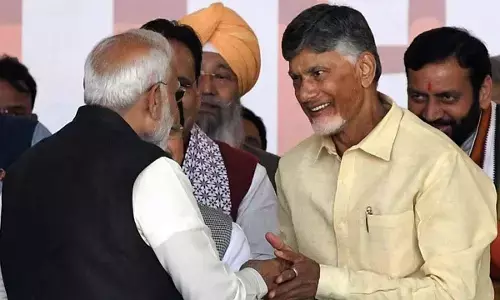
(379, 142)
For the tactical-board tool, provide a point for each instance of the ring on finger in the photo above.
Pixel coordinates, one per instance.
(295, 271)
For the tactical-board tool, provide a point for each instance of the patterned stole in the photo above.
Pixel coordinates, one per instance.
(479, 147)
(205, 168)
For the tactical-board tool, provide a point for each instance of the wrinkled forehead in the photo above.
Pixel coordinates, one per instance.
(440, 76)
(307, 59)
(212, 62)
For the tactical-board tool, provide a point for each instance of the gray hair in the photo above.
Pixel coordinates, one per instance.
(326, 27)
(495, 68)
(118, 85)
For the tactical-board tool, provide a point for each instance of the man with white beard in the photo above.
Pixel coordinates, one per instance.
(96, 212)
(230, 69)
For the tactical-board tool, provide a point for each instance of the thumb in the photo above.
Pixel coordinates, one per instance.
(277, 242)
(287, 255)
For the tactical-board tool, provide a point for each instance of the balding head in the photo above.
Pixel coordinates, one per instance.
(122, 67)
(132, 74)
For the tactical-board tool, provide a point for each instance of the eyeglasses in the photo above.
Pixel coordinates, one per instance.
(179, 94)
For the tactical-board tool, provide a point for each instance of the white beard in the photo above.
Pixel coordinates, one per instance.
(159, 136)
(328, 126)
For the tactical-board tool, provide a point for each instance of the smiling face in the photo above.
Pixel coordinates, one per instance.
(441, 94)
(327, 89)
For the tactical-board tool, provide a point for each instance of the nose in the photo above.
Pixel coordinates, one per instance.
(306, 91)
(206, 84)
(433, 111)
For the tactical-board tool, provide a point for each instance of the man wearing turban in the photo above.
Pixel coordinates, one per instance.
(231, 67)
(222, 177)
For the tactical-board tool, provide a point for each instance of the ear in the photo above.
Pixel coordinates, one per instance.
(154, 105)
(485, 92)
(366, 67)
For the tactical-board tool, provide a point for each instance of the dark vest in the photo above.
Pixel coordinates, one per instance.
(240, 168)
(67, 228)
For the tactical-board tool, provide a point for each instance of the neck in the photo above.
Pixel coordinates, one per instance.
(372, 111)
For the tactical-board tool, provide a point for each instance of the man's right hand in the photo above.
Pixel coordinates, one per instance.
(268, 269)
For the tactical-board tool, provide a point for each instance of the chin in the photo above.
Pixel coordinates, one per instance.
(330, 127)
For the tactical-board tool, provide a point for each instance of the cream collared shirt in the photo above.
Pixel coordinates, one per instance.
(405, 214)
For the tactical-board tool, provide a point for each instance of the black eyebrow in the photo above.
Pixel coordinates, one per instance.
(451, 93)
(410, 90)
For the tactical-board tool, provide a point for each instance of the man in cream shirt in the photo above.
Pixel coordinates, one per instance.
(377, 204)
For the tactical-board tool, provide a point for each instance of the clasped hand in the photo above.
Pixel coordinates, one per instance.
(291, 276)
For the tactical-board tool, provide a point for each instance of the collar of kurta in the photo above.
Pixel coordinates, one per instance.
(380, 141)
(204, 166)
(481, 144)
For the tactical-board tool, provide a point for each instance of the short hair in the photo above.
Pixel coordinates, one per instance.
(249, 115)
(326, 27)
(495, 68)
(18, 76)
(181, 33)
(118, 85)
(440, 44)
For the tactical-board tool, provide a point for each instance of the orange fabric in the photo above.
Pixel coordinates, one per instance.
(477, 155)
(232, 37)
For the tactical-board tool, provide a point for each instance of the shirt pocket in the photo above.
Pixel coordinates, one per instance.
(392, 242)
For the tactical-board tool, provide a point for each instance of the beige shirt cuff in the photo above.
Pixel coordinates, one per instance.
(333, 283)
(252, 279)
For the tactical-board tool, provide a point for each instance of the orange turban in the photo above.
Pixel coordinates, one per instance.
(234, 40)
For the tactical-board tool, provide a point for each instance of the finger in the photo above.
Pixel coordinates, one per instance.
(277, 242)
(288, 255)
(285, 276)
(283, 289)
(295, 294)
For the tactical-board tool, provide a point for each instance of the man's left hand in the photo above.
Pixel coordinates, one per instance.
(299, 282)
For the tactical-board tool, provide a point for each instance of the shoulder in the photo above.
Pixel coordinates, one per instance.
(237, 156)
(424, 139)
(437, 152)
(41, 132)
(302, 154)
(261, 154)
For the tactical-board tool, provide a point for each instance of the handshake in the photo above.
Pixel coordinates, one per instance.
(290, 276)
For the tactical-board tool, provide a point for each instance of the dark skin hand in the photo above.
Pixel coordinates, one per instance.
(304, 285)
(268, 269)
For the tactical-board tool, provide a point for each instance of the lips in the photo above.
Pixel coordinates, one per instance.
(446, 129)
(209, 108)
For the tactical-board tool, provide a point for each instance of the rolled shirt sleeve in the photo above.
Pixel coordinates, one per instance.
(168, 219)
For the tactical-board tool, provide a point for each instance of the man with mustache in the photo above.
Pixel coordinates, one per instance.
(223, 177)
(99, 211)
(450, 88)
(377, 204)
(230, 69)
